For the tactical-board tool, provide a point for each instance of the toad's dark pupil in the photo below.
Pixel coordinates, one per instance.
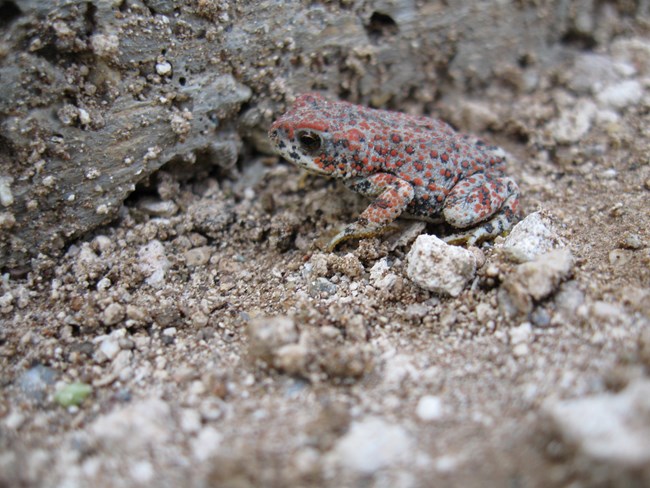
(309, 141)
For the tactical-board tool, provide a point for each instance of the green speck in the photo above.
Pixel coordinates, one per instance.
(72, 394)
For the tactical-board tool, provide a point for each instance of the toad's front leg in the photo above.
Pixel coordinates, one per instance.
(392, 196)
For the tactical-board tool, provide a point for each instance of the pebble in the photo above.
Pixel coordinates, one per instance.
(266, 335)
(164, 68)
(158, 208)
(190, 420)
(113, 314)
(153, 262)
(36, 381)
(574, 122)
(134, 428)
(620, 95)
(206, 444)
(532, 281)
(632, 241)
(429, 408)
(372, 444)
(14, 420)
(533, 236)
(323, 285)
(609, 428)
(590, 71)
(6, 196)
(438, 267)
(109, 345)
(199, 256)
(619, 257)
(521, 334)
(7, 220)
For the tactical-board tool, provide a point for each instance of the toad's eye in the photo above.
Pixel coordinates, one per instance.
(309, 141)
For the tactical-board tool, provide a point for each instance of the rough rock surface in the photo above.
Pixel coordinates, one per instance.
(97, 96)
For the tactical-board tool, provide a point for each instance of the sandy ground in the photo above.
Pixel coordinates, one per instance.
(223, 348)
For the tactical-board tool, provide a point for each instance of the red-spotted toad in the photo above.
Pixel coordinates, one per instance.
(407, 164)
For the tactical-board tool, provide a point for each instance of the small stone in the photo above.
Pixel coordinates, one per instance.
(164, 68)
(323, 285)
(142, 472)
(379, 270)
(199, 256)
(35, 382)
(521, 350)
(349, 265)
(438, 267)
(607, 428)
(372, 444)
(6, 196)
(137, 314)
(7, 220)
(533, 236)
(153, 262)
(292, 359)
(632, 241)
(574, 123)
(109, 347)
(136, 428)
(206, 443)
(267, 335)
(14, 420)
(429, 408)
(619, 257)
(103, 284)
(620, 95)
(530, 282)
(158, 208)
(190, 420)
(113, 314)
(199, 320)
(521, 334)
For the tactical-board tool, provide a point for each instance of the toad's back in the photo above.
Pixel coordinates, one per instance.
(422, 163)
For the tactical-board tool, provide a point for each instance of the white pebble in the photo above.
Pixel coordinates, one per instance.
(438, 267)
(153, 262)
(206, 443)
(621, 95)
(6, 196)
(372, 444)
(429, 408)
(533, 236)
(611, 428)
(164, 68)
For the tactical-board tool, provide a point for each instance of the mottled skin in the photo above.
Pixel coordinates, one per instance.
(406, 164)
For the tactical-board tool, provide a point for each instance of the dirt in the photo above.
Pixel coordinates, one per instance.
(224, 348)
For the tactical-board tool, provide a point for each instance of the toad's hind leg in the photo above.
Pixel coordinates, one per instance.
(392, 197)
(488, 204)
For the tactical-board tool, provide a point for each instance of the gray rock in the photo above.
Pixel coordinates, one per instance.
(36, 382)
